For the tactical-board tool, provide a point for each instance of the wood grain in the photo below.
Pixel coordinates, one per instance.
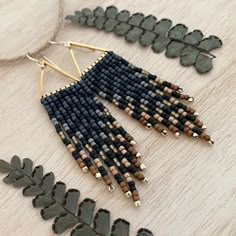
(192, 188)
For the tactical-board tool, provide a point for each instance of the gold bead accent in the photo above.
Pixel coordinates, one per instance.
(177, 134)
(98, 176)
(146, 180)
(164, 132)
(148, 126)
(138, 155)
(128, 194)
(142, 167)
(85, 169)
(111, 188)
(195, 135)
(180, 90)
(211, 141)
(137, 203)
(204, 127)
(132, 142)
(191, 99)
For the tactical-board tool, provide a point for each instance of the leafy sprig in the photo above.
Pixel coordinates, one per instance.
(57, 202)
(191, 48)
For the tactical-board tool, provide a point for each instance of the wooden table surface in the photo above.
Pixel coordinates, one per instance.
(192, 188)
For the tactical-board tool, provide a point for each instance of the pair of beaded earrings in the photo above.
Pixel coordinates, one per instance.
(96, 140)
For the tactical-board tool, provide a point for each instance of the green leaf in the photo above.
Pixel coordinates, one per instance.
(99, 11)
(102, 222)
(5, 167)
(188, 56)
(174, 49)
(27, 166)
(178, 32)
(160, 44)
(72, 18)
(86, 12)
(86, 209)
(123, 16)
(136, 19)
(210, 43)
(32, 190)
(120, 228)
(15, 162)
(22, 182)
(56, 203)
(99, 22)
(110, 25)
(122, 29)
(52, 210)
(147, 39)
(91, 20)
(148, 23)
(161, 28)
(59, 192)
(194, 37)
(83, 230)
(111, 12)
(64, 222)
(144, 232)
(78, 13)
(37, 174)
(134, 34)
(71, 200)
(159, 35)
(83, 20)
(47, 182)
(203, 64)
(12, 176)
(43, 200)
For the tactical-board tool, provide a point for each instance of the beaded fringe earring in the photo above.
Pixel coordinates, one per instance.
(96, 140)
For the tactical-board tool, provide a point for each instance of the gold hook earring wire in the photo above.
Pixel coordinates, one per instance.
(68, 45)
(46, 62)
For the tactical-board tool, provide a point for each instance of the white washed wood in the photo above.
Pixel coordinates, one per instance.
(192, 188)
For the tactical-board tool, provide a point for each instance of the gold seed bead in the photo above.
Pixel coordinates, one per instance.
(148, 126)
(137, 203)
(211, 142)
(85, 169)
(111, 188)
(177, 134)
(138, 155)
(191, 99)
(146, 180)
(98, 176)
(164, 132)
(142, 167)
(128, 194)
(132, 142)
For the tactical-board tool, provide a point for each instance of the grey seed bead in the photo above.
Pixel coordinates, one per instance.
(93, 143)
(90, 140)
(67, 128)
(103, 125)
(100, 122)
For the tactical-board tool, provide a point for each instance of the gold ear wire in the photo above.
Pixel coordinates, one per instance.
(69, 46)
(43, 63)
